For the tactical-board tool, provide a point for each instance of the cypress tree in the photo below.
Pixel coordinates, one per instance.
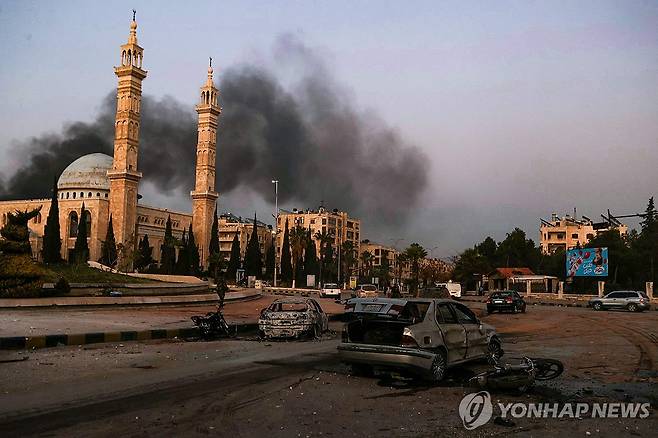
(286, 259)
(52, 243)
(144, 257)
(167, 250)
(213, 245)
(182, 266)
(81, 249)
(109, 247)
(310, 257)
(192, 253)
(234, 260)
(300, 275)
(270, 262)
(253, 259)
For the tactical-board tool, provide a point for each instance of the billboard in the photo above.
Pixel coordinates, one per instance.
(587, 262)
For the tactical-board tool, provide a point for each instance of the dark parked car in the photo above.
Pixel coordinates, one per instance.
(630, 300)
(505, 301)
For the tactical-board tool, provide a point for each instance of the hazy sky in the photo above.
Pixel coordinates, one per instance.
(524, 107)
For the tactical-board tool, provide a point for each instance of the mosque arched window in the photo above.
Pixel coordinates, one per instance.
(82, 195)
(89, 195)
(73, 224)
(73, 195)
(98, 194)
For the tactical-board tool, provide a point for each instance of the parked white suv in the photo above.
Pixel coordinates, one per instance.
(330, 290)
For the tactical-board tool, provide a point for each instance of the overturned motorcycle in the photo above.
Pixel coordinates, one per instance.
(518, 376)
(212, 326)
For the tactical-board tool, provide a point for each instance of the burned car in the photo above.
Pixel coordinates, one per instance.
(423, 337)
(292, 318)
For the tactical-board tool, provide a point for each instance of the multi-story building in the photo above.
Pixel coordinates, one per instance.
(399, 268)
(337, 224)
(569, 232)
(230, 225)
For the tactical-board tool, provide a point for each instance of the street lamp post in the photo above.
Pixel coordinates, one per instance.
(276, 225)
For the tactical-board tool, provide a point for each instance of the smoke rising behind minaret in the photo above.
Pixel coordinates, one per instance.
(309, 135)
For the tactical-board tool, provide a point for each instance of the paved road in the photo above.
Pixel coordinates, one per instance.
(249, 388)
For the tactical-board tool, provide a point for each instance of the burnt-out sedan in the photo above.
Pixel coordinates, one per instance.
(292, 318)
(423, 337)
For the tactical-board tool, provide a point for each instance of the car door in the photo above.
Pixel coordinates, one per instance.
(454, 334)
(322, 317)
(476, 337)
(613, 300)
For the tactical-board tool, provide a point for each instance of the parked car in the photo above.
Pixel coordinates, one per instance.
(455, 289)
(630, 300)
(505, 301)
(292, 318)
(330, 290)
(423, 337)
(366, 291)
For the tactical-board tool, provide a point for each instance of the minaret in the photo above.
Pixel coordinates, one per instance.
(124, 177)
(204, 195)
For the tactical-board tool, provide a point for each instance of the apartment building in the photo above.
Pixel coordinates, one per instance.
(569, 232)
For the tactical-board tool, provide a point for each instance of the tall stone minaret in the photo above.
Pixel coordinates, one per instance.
(124, 177)
(204, 195)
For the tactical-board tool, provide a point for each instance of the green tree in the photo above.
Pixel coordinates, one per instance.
(414, 254)
(253, 259)
(366, 266)
(326, 254)
(516, 251)
(109, 253)
(469, 265)
(168, 250)
(311, 265)
(383, 271)
(192, 253)
(234, 260)
(144, 256)
(487, 249)
(286, 259)
(348, 259)
(81, 248)
(182, 266)
(52, 242)
(270, 261)
(213, 245)
(297, 244)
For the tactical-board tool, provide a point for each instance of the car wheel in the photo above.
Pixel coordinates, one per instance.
(438, 369)
(494, 351)
(597, 306)
(362, 370)
(632, 307)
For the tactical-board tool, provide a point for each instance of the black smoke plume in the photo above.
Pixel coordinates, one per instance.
(309, 136)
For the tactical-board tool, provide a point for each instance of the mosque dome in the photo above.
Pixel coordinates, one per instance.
(87, 172)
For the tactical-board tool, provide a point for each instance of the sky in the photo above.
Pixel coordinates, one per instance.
(523, 108)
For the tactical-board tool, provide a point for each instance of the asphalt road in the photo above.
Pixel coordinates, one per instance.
(249, 388)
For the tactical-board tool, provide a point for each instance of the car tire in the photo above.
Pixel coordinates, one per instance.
(632, 307)
(438, 369)
(597, 306)
(494, 351)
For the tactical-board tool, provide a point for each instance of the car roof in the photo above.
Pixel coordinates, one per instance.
(401, 301)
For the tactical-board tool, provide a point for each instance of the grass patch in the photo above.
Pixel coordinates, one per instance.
(86, 274)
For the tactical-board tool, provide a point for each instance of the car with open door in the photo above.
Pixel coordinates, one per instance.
(423, 337)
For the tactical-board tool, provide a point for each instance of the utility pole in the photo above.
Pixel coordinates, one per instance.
(276, 225)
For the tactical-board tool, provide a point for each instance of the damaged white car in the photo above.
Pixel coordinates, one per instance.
(292, 318)
(422, 336)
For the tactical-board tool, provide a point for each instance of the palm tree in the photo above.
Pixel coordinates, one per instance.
(325, 240)
(366, 262)
(298, 236)
(348, 258)
(414, 253)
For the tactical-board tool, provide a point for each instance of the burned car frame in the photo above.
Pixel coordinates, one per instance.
(421, 336)
(292, 318)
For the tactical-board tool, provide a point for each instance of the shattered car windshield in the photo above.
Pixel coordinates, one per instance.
(289, 307)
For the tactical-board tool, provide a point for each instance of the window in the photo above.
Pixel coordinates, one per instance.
(73, 195)
(73, 224)
(574, 236)
(98, 194)
(614, 295)
(89, 195)
(464, 314)
(106, 195)
(590, 236)
(444, 315)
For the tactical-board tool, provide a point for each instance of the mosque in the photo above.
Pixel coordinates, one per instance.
(109, 185)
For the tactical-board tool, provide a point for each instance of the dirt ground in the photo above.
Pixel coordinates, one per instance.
(244, 388)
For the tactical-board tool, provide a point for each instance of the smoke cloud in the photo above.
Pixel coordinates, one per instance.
(308, 135)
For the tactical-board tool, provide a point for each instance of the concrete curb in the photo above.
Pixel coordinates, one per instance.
(60, 302)
(58, 340)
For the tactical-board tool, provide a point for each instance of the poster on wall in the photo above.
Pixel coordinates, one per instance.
(587, 262)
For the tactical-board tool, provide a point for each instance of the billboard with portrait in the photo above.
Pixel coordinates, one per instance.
(587, 262)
